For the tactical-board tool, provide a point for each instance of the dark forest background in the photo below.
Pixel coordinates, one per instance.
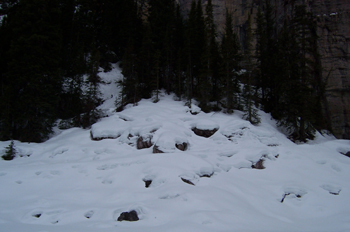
(51, 53)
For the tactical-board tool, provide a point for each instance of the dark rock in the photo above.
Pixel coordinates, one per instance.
(182, 146)
(37, 215)
(284, 197)
(157, 150)
(206, 175)
(204, 133)
(187, 181)
(144, 142)
(347, 154)
(128, 216)
(291, 193)
(147, 183)
(259, 164)
(334, 192)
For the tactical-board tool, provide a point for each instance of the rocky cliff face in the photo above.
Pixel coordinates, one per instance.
(334, 43)
(333, 18)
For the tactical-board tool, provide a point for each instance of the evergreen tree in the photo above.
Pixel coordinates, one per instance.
(129, 83)
(180, 57)
(250, 112)
(195, 50)
(10, 152)
(32, 81)
(146, 63)
(162, 20)
(300, 97)
(131, 63)
(210, 69)
(92, 98)
(266, 50)
(74, 53)
(156, 75)
(230, 54)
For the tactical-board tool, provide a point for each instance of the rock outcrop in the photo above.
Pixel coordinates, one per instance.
(333, 28)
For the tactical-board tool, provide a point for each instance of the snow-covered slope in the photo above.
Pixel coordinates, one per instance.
(74, 183)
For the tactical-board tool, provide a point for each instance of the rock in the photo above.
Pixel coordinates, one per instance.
(128, 216)
(186, 181)
(144, 142)
(147, 182)
(157, 150)
(204, 133)
(181, 146)
(259, 164)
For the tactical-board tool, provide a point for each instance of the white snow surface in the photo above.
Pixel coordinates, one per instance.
(74, 184)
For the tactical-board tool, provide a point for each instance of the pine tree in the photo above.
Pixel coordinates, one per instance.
(210, 69)
(250, 112)
(10, 152)
(156, 74)
(230, 54)
(266, 50)
(146, 63)
(300, 97)
(74, 53)
(92, 98)
(130, 85)
(180, 57)
(33, 79)
(195, 51)
(190, 52)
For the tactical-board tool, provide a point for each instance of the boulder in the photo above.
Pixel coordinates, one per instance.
(205, 128)
(204, 133)
(128, 216)
(144, 142)
(181, 146)
(259, 164)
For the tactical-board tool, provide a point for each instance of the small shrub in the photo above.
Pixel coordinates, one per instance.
(10, 152)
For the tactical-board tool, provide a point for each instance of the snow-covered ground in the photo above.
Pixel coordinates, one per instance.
(72, 183)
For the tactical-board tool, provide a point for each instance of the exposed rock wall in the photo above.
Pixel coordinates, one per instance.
(334, 30)
(334, 43)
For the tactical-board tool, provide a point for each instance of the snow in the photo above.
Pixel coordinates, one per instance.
(73, 183)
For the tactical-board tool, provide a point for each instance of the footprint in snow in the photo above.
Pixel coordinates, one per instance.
(292, 193)
(19, 182)
(169, 196)
(55, 173)
(332, 189)
(336, 168)
(89, 214)
(107, 181)
(3, 174)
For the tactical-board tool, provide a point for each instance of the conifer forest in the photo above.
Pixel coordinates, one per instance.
(51, 54)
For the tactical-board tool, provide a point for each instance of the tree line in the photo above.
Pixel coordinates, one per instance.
(51, 53)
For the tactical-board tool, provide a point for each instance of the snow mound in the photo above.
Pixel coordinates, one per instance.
(108, 128)
(205, 124)
(170, 141)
